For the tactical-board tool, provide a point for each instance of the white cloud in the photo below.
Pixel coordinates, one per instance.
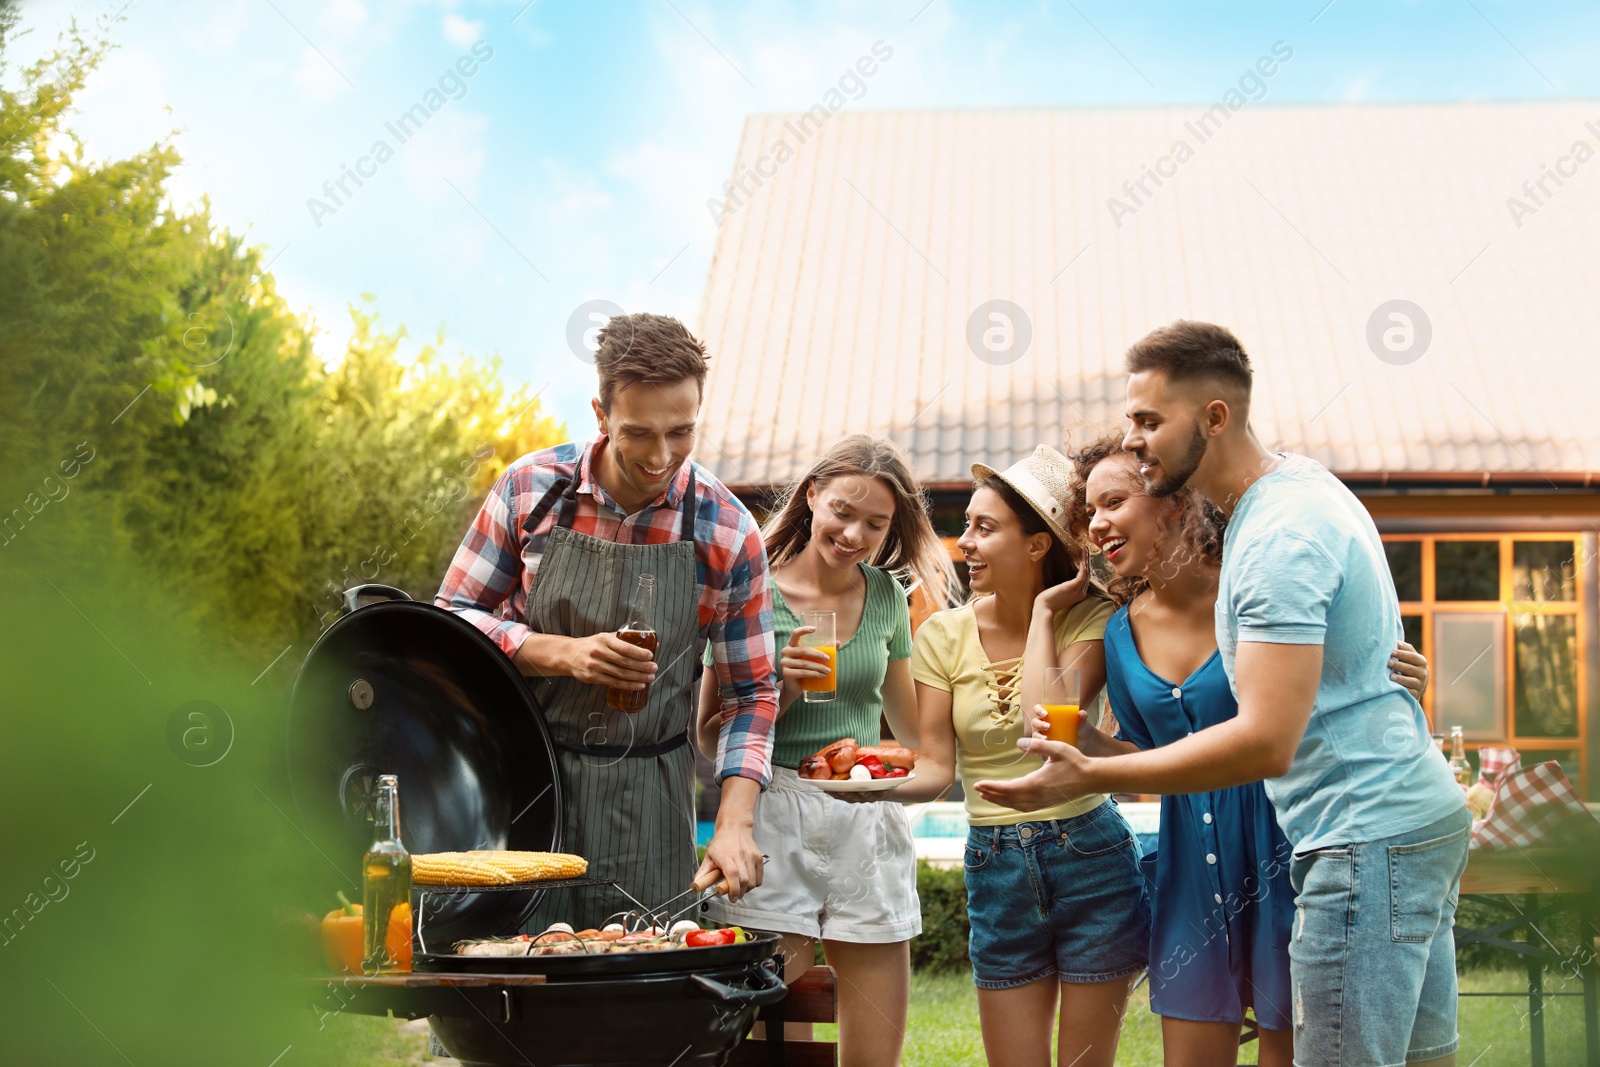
(317, 77)
(670, 184)
(345, 19)
(460, 32)
(449, 147)
(217, 28)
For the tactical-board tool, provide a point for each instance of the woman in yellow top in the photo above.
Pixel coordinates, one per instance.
(1055, 898)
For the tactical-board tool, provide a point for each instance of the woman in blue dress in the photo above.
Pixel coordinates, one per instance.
(1222, 904)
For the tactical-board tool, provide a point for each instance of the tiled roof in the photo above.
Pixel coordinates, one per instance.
(843, 283)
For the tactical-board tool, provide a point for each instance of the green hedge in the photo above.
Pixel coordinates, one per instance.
(943, 944)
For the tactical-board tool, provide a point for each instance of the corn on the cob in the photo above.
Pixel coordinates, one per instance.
(494, 867)
(536, 866)
(456, 868)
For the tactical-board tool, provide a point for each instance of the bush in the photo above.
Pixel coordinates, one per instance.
(943, 944)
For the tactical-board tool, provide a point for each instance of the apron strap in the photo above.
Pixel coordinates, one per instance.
(546, 502)
(686, 528)
(565, 490)
(629, 751)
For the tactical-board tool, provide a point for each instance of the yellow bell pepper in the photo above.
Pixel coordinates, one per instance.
(341, 937)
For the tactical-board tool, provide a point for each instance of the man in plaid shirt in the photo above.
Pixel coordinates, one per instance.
(547, 570)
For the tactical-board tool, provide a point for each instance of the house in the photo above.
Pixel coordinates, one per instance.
(1415, 285)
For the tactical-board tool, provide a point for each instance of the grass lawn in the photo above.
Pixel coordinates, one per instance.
(944, 1027)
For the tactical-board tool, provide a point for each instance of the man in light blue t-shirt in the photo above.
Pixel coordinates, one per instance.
(1306, 618)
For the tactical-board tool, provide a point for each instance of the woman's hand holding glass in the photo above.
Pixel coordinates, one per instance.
(1092, 741)
(796, 662)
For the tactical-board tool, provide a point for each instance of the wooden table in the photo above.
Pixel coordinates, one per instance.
(1536, 884)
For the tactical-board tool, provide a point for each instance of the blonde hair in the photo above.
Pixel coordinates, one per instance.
(911, 551)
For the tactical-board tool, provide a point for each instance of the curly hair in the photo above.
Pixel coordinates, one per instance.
(1194, 523)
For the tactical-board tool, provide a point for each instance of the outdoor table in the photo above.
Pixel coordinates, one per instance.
(1536, 884)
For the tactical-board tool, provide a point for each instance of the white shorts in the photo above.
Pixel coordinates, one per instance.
(839, 871)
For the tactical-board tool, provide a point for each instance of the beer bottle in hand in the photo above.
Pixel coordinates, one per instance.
(640, 629)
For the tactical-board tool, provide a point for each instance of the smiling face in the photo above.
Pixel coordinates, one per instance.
(850, 518)
(1167, 432)
(651, 430)
(1124, 520)
(1000, 554)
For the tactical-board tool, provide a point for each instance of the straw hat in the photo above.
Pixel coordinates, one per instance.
(1044, 480)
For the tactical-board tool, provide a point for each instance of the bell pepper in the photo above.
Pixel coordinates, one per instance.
(341, 936)
(398, 937)
(874, 766)
(897, 772)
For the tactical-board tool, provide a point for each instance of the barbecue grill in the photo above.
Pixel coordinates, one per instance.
(400, 687)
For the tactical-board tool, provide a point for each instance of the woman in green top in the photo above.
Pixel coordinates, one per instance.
(844, 873)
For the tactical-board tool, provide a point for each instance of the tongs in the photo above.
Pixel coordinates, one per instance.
(700, 896)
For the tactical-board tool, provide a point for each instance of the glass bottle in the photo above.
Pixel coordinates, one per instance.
(1458, 758)
(386, 888)
(640, 630)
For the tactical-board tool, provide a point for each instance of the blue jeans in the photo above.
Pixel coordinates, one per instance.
(1373, 955)
(1056, 898)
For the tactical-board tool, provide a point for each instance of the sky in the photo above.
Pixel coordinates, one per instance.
(568, 154)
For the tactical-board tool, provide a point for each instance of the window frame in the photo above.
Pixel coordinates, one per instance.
(1511, 610)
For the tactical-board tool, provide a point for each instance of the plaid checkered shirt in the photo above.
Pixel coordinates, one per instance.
(494, 571)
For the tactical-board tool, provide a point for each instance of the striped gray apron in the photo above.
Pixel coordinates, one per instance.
(629, 777)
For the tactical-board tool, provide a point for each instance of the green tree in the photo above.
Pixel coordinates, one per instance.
(162, 399)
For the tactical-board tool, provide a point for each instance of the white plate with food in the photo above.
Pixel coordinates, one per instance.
(856, 785)
(849, 767)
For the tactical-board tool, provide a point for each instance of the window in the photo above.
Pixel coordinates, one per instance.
(1500, 619)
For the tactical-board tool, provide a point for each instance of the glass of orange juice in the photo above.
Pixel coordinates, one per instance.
(825, 639)
(1061, 686)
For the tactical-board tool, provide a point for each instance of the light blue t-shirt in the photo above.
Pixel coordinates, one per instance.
(1302, 564)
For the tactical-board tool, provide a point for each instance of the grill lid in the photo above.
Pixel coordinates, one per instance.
(405, 688)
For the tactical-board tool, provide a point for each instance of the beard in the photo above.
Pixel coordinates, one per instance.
(1168, 480)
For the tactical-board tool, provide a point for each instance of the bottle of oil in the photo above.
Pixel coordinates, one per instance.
(386, 884)
(1458, 758)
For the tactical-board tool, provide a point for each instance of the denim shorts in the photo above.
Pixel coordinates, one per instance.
(1056, 898)
(1373, 956)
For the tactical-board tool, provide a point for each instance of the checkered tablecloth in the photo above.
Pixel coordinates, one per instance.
(1494, 763)
(1533, 806)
